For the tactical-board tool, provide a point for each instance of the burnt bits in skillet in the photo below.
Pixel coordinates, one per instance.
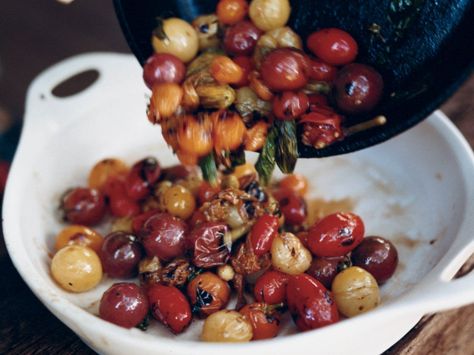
(423, 48)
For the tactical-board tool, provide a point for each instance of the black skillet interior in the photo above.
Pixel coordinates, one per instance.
(423, 48)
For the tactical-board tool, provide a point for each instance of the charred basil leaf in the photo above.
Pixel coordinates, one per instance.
(209, 169)
(286, 153)
(266, 160)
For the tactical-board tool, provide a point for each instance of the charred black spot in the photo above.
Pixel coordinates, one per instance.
(255, 190)
(249, 208)
(203, 298)
(284, 202)
(328, 298)
(204, 28)
(347, 242)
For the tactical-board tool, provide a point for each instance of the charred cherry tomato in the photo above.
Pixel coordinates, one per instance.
(208, 293)
(170, 307)
(321, 71)
(333, 45)
(206, 241)
(143, 175)
(120, 255)
(121, 205)
(163, 235)
(194, 136)
(245, 63)
(124, 304)
(83, 206)
(358, 88)
(285, 69)
(290, 105)
(229, 12)
(378, 256)
(311, 305)
(270, 288)
(296, 183)
(79, 235)
(163, 68)
(262, 234)
(321, 127)
(336, 234)
(241, 38)
(292, 206)
(264, 318)
(207, 192)
(228, 131)
(325, 269)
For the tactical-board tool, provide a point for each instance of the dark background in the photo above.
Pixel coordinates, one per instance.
(36, 34)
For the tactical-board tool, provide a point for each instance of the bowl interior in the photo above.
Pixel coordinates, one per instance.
(409, 190)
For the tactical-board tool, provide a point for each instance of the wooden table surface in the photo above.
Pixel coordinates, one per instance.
(38, 34)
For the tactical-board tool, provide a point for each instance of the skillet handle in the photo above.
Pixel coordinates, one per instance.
(45, 109)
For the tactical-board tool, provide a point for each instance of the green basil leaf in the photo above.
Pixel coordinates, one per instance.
(286, 153)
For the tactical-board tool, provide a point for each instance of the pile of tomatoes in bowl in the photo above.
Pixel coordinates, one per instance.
(240, 79)
(236, 254)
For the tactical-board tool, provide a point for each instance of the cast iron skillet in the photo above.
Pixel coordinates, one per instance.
(423, 48)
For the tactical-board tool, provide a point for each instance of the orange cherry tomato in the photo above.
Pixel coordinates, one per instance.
(296, 183)
(105, 169)
(229, 12)
(79, 235)
(264, 319)
(226, 71)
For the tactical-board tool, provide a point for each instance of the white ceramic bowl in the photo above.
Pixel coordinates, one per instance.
(416, 190)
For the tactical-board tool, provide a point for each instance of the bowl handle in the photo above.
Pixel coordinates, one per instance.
(44, 108)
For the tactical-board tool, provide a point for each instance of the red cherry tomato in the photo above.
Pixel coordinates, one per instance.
(170, 307)
(139, 220)
(120, 204)
(241, 38)
(163, 235)
(206, 241)
(120, 254)
(321, 127)
(285, 69)
(334, 46)
(311, 305)
(247, 66)
(197, 218)
(321, 71)
(141, 178)
(264, 319)
(124, 304)
(358, 88)
(290, 105)
(292, 206)
(207, 192)
(270, 288)
(336, 234)
(163, 68)
(262, 234)
(83, 206)
(325, 269)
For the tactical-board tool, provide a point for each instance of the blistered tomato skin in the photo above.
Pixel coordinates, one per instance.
(290, 105)
(241, 38)
(124, 304)
(333, 46)
(163, 68)
(121, 205)
(262, 234)
(206, 242)
(265, 320)
(378, 256)
(163, 235)
(336, 235)
(270, 288)
(170, 307)
(311, 305)
(285, 69)
(141, 178)
(208, 293)
(104, 170)
(120, 255)
(358, 88)
(83, 206)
